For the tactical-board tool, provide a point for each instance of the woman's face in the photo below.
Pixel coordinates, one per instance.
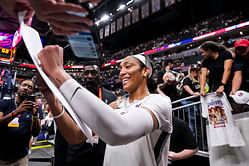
(131, 74)
(204, 53)
(194, 72)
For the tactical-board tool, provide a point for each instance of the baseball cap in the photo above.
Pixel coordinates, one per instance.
(194, 66)
(145, 61)
(241, 43)
(241, 97)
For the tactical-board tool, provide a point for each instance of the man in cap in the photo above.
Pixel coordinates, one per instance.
(241, 66)
(85, 153)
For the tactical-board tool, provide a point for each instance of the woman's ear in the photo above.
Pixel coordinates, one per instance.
(146, 72)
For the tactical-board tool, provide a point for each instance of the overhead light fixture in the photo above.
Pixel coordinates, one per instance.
(121, 7)
(105, 17)
(97, 22)
(129, 2)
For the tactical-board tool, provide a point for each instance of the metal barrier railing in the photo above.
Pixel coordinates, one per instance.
(189, 110)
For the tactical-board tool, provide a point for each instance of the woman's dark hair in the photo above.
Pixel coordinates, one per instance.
(213, 46)
(151, 84)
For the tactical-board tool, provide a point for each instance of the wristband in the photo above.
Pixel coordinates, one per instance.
(222, 84)
(58, 116)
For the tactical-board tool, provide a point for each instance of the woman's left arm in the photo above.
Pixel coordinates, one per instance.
(227, 70)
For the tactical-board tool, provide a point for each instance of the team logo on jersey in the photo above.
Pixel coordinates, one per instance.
(138, 105)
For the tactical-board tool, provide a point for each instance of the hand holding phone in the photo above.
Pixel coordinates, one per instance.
(31, 98)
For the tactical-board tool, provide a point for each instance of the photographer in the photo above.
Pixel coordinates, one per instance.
(18, 122)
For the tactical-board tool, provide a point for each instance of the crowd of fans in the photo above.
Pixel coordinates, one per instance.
(205, 26)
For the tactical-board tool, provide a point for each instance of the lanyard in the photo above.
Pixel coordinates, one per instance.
(100, 93)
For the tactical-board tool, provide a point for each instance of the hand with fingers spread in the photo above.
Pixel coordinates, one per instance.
(56, 13)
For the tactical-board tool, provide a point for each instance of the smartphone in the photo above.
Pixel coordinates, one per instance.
(31, 98)
(83, 44)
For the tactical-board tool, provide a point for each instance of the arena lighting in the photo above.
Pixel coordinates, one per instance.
(220, 31)
(65, 67)
(121, 7)
(97, 22)
(129, 2)
(105, 17)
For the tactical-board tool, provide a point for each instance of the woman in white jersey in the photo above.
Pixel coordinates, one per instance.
(136, 133)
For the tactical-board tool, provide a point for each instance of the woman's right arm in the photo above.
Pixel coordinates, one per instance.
(65, 122)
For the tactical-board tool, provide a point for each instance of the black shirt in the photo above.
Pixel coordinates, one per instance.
(160, 76)
(194, 86)
(83, 154)
(216, 69)
(181, 138)
(170, 91)
(242, 64)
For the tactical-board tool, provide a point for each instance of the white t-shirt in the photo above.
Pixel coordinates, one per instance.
(128, 128)
(141, 152)
(222, 130)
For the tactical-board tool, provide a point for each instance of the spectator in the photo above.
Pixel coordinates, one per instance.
(182, 144)
(84, 153)
(191, 84)
(241, 66)
(218, 61)
(48, 128)
(168, 88)
(191, 87)
(132, 130)
(18, 122)
(168, 66)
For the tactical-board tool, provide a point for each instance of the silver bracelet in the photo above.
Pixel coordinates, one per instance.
(58, 116)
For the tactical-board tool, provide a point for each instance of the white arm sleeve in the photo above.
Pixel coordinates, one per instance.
(160, 106)
(113, 128)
